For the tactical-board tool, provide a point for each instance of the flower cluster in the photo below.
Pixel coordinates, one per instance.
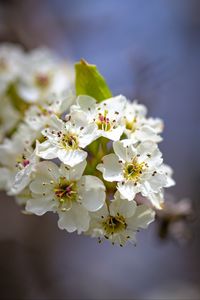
(95, 163)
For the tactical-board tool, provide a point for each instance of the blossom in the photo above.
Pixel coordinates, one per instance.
(46, 75)
(121, 221)
(136, 169)
(17, 163)
(26, 135)
(64, 190)
(65, 140)
(26, 166)
(38, 115)
(11, 62)
(138, 127)
(107, 115)
(42, 119)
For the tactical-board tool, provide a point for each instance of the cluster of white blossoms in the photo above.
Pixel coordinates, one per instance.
(96, 164)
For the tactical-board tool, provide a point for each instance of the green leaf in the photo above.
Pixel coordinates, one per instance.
(90, 82)
(16, 100)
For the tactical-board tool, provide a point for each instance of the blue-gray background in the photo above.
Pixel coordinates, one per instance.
(148, 50)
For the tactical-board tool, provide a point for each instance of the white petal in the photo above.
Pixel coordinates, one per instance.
(77, 218)
(92, 191)
(124, 151)
(142, 218)
(86, 102)
(157, 181)
(71, 157)
(150, 153)
(146, 133)
(79, 117)
(46, 150)
(157, 199)
(114, 134)
(128, 190)
(40, 186)
(111, 168)
(73, 173)
(167, 170)
(115, 104)
(22, 179)
(56, 123)
(47, 169)
(124, 207)
(40, 206)
(28, 93)
(88, 135)
(156, 124)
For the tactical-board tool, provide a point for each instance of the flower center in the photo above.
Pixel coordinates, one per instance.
(131, 125)
(25, 162)
(22, 162)
(114, 224)
(42, 80)
(103, 122)
(133, 170)
(66, 193)
(69, 141)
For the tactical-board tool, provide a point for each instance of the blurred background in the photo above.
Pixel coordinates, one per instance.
(149, 50)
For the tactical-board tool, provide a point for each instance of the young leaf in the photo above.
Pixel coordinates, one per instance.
(90, 82)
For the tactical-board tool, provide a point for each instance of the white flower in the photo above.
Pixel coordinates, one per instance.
(26, 135)
(9, 117)
(136, 169)
(65, 141)
(158, 198)
(138, 127)
(26, 168)
(64, 190)
(11, 60)
(107, 115)
(17, 163)
(37, 116)
(46, 75)
(120, 223)
(167, 170)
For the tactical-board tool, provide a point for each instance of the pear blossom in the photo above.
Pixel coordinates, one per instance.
(26, 168)
(46, 75)
(136, 169)
(38, 115)
(106, 115)
(11, 63)
(65, 140)
(26, 134)
(64, 190)
(168, 171)
(138, 127)
(120, 222)
(53, 144)
(17, 164)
